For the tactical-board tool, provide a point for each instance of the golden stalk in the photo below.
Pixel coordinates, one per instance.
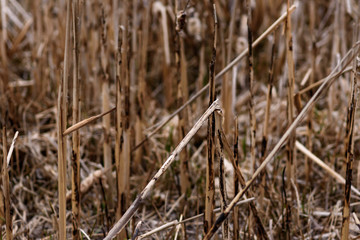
(75, 156)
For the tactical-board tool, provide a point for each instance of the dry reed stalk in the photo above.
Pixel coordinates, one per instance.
(61, 167)
(118, 126)
(21, 36)
(176, 222)
(133, 56)
(290, 147)
(159, 7)
(86, 122)
(211, 131)
(290, 101)
(3, 39)
(75, 156)
(335, 50)
(312, 22)
(259, 228)
(349, 146)
(6, 188)
(182, 90)
(145, 192)
(323, 165)
(251, 83)
(227, 85)
(218, 76)
(202, 69)
(123, 122)
(328, 81)
(222, 188)
(141, 93)
(105, 94)
(236, 181)
(266, 119)
(318, 83)
(62, 113)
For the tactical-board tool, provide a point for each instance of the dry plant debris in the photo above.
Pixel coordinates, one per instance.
(172, 119)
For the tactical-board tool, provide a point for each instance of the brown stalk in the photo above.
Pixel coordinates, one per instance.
(227, 97)
(236, 181)
(323, 165)
(176, 222)
(266, 120)
(251, 83)
(210, 173)
(329, 80)
(158, 7)
(181, 95)
(6, 188)
(222, 188)
(61, 167)
(312, 17)
(105, 94)
(120, 224)
(259, 227)
(141, 94)
(118, 126)
(75, 156)
(290, 147)
(62, 112)
(349, 146)
(218, 76)
(86, 122)
(123, 138)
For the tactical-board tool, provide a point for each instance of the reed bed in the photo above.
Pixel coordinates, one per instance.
(175, 119)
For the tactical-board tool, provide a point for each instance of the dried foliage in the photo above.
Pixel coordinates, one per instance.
(119, 132)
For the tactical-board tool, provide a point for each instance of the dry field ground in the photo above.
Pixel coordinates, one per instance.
(180, 119)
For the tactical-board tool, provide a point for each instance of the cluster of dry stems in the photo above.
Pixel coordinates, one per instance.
(131, 76)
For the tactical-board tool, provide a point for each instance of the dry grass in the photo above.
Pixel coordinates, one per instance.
(120, 129)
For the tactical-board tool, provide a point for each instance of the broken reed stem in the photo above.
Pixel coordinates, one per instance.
(259, 227)
(328, 81)
(159, 7)
(75, 156)
(145, 192)
(105, 94)
(266, 118)
(176, 222)
(85, 122)
(62, 112)
(61, 167)
(290, 101)
(227, 84)
(181, 81)
(123, 128)
(211, 148)
(141, 93)
(222, 187)
(290, 147)
(251, 83)
(349, 153)
(6, 188)
(118, 127)
(218, 76)
(323, 165)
